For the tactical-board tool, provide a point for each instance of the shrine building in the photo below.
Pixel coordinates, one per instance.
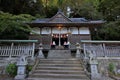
(61, 30)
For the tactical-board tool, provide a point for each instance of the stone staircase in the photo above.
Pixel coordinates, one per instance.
(61, 54)
(59, 69)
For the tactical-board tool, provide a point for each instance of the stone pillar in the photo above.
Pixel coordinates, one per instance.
(21, 71)
(78, 50)
(94, 69)
(32, 57)
(11, 51)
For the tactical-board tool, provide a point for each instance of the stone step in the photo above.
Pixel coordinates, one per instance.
(61, 62)
(61, 76)
(59, 68)
(60, 65)
(60, 71)
(68, 59)
(53, 79)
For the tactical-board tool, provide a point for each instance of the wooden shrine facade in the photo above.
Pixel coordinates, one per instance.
(60, 30)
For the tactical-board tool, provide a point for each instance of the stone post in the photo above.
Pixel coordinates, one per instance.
(32, 57)
(21, 70)
(40, 53)
(78, 50)
(11, 50)
(94, 69)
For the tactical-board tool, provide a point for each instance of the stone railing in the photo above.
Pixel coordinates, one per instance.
(84, 61)
(111, 51)
(35, 65)
(15, 48)
(95, 50)
(108, 51)
(102, 48)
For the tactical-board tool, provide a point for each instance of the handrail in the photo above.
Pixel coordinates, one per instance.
(36, 63)
(84, 63)
(84, 60)
(96, 41)
(102, 50)
(24, 41)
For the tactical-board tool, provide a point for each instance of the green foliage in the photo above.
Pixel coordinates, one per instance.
(22, 6)
(51, 11)
(11, 69)
(13, 27)
(110, 9)
(90, 9)
(110, 31)
(87, 10)
(111, 67)
(28, 69)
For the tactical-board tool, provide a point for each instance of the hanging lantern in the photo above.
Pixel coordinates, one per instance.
(66, 35)
(61, 35)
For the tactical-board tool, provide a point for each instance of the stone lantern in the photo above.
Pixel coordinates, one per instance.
(78, 50)
(21, 71)
(40, 53)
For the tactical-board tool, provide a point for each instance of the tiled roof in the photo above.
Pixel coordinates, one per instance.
(40, 20)
(74, 20)
(78, 20)
(61, 18)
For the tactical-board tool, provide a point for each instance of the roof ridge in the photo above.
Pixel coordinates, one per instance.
(61, 13)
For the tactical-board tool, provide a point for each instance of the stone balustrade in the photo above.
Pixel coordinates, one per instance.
(15, 48)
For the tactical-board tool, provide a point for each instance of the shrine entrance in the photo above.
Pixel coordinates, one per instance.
(59, 39)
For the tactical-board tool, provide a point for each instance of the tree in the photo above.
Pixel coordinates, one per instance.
(110, 31)
(13, 26)
(110, 9)
(32, 7)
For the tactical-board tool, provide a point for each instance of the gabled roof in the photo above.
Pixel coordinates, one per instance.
(59, 18)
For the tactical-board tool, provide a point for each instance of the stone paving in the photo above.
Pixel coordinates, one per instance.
(59, 54)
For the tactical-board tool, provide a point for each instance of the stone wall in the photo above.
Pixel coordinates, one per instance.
(103, 64)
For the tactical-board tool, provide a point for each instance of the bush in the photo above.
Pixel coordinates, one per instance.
(28, 68)
(111, 67)
(11, 69)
